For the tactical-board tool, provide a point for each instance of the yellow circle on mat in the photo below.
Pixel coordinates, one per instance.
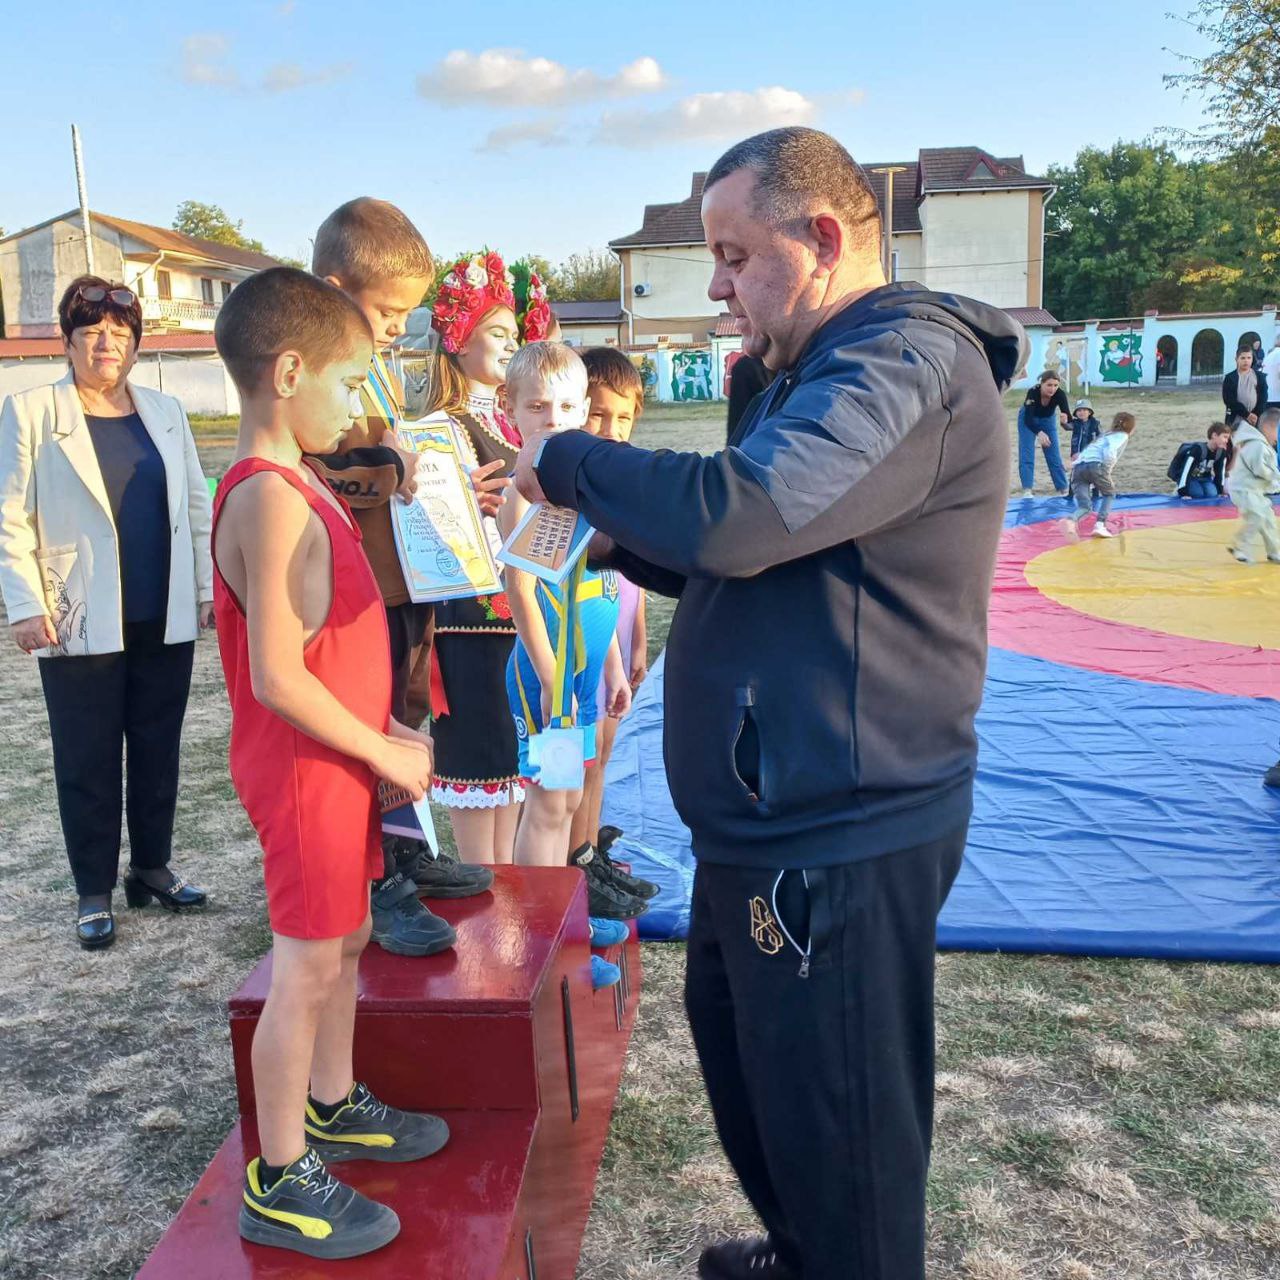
(1176, 578)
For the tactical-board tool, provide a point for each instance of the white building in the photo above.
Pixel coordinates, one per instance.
(180, 280)
(963, 222)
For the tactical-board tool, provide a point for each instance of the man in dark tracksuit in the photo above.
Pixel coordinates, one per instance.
(824, 666)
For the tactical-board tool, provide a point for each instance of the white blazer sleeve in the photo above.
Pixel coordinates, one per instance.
(199, 513)
(19, 574)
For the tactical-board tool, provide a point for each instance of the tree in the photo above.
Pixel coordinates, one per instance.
(210, 222)
(587, 277)
(1119, 219)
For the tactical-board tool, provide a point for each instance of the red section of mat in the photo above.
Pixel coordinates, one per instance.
(1024, 620)
(507, 1040)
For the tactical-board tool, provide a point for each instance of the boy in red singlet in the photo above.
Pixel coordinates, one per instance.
(303, 639)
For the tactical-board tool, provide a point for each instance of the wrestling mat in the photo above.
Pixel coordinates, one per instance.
(1129, 716)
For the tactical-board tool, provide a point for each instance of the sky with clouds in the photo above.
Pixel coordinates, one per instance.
(539, 127)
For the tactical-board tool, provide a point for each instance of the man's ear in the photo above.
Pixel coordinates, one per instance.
(333, 280)
(829, 241)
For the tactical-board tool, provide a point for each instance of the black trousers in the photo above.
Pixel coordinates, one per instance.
(100, 708)
(822, 1085)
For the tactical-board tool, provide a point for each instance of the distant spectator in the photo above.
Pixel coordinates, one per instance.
(747, 379)
(1244, 391)
(1038, 419)
(1085, 428)
(1199, 468)
(1256, 353)
(1271, 371)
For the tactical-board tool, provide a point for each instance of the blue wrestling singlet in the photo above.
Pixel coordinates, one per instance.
(597, 617)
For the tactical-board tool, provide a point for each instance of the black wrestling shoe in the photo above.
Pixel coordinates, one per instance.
(625, 881)
(309, 1211)
(752, 1259)
(1272, 776)
(177, 895)
(366, 1129)
(402, 925)
(446, 876)
(605, 899)
(96, 929)
(606, 836)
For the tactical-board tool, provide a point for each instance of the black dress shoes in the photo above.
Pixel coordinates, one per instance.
(177, 895)
(96, 929)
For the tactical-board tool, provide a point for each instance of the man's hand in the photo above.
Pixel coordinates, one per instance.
(1043, 439)
(33, 633)
(525, 476)
(206, 615)
(489, 486)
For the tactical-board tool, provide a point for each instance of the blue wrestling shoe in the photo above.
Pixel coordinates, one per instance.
(603, 974)
(608, 933)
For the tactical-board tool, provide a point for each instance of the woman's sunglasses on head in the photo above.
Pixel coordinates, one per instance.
(96, 293)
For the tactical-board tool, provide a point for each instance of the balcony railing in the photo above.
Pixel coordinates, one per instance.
(179, 313)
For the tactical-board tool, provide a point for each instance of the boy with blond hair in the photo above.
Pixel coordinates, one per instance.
(546, 392)
(372, 252)
(302, 636)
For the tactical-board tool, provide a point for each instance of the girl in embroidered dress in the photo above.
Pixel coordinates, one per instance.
(476, 762)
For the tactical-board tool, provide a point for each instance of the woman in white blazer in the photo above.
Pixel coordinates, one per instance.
(107, 578)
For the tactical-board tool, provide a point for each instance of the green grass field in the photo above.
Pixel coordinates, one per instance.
(1097, 1119)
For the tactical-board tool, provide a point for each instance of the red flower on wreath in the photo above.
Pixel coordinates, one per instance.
(472, 287)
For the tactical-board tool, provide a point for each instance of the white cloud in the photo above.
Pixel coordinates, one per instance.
(546, 132)
(204, 61)
(707, 117)
(506, 77)
(285, 76)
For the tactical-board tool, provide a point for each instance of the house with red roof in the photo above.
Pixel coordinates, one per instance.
(963, 221)
(181, 280)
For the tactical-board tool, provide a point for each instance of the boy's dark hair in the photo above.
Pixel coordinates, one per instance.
(607, 366)
(74, 312)
(1217, 429)
(284, 309)
(367, 241)
(1124, 422)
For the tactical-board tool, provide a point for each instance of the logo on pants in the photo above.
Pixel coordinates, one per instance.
(764, 928)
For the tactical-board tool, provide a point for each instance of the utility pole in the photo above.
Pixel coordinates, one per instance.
(84, 202)
(888, 171)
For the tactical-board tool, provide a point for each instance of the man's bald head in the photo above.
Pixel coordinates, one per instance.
(799, 171)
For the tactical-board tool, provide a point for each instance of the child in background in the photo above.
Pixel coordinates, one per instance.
(546, 390)
(303, 641)
(1094, 469)
(1254, 476)
(372, 252)
(1199, 468)
(1085, 428)
(615, 394)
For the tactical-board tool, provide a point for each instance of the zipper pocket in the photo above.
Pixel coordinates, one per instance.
(746, 750)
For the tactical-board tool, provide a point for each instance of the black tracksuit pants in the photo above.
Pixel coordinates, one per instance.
(822, 1085)
(102, 707)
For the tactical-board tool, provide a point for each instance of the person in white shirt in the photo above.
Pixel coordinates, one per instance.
(1271, 372)
(1093, 470)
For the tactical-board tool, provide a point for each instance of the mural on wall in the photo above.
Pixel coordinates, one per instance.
(648, 372)
(691, 375)
(1121, 358)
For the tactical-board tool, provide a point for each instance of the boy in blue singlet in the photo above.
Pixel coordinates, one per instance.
(546, 390)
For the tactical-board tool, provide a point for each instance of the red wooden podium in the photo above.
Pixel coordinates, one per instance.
(505, 1038)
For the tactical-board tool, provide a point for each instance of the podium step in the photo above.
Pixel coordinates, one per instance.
(459, 1213)
(506, 1039)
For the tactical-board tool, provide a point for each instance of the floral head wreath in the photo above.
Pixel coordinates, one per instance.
(472, 288)
(533, 311)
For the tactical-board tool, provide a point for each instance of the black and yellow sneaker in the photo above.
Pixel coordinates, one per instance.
(310, 1211)
(365, 1129)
